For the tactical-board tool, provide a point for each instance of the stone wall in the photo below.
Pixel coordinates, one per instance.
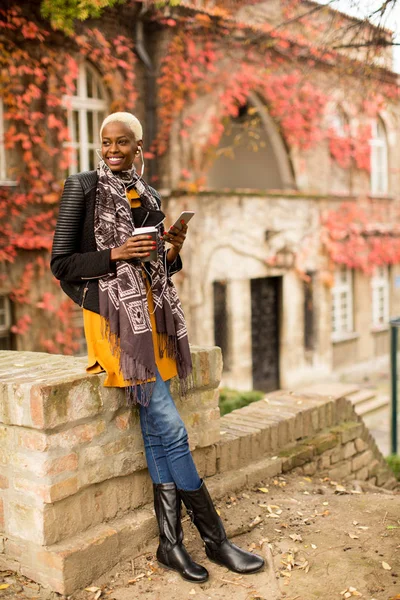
(72, 459)
(75, 495)
(248, 230)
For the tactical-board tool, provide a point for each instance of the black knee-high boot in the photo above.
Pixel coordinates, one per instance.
(218, 548)
(171, 553)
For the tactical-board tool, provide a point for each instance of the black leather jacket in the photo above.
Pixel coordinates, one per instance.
(75, 260)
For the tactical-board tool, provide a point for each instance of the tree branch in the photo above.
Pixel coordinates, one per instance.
(305, 14)
(369, 44)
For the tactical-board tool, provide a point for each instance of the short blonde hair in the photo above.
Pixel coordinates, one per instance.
(128, 119)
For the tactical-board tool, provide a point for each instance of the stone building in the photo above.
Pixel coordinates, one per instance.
(281, 166)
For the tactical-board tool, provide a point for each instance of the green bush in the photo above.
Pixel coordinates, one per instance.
(394, 463)
(230, 400)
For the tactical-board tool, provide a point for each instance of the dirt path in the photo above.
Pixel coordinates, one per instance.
(324, 542)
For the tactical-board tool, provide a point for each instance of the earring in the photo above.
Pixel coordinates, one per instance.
(140, 151)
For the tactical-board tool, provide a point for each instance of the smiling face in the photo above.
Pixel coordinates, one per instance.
(118, 146)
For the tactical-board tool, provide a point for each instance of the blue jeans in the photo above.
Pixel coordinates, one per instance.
(166, 440)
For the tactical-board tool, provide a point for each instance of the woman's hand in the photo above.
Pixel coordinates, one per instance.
(176, 237)
(139, 246)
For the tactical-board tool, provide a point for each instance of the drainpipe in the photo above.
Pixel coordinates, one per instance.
(150, 91)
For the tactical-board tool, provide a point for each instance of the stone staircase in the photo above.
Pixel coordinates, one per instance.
(366, 401)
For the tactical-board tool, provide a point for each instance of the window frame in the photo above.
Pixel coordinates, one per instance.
(380, 319)
(83, 105)
(4, 180)
(3, 164)
(5, 330)
(346, 325)
(222, 321)
(309, 311)
(379, 168)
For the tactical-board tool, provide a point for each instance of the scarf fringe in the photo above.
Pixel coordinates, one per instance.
(185, 386)
(168, 345)
(139, 393)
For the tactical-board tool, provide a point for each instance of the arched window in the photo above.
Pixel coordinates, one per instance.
(250, 154)
(379, 159)
(86, 111)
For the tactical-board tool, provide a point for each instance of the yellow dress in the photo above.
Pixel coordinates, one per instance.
(100, 357)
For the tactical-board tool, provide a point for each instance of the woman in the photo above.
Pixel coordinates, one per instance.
(135, 330)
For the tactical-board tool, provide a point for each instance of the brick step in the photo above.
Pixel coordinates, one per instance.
(81, 559)
(361, 396)
(372, 406)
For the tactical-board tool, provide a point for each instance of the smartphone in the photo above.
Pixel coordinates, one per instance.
(185, 216)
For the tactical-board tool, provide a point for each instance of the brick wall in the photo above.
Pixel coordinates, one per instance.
(72, 456)
(75, 495)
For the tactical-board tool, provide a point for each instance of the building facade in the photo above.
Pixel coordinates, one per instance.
(288, 154)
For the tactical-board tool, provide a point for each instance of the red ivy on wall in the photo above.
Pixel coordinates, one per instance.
(206, 57)
(361, 236)
(191, 70)
(351, 150)
(201, 63)
(36, 72)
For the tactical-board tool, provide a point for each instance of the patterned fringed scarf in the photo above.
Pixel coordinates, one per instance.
(122, 295)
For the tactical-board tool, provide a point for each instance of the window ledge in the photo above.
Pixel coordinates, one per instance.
(380, 196)
(7, 183)
(379, 328)
(345, 337)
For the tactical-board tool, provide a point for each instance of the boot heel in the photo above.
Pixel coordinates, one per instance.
(218, 548)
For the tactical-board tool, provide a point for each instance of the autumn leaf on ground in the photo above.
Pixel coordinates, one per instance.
(386, 566)
(137, 578)
(296, 537)
(288, 561)
(350, 592)
(263, 490)
(304, 564)
(256, 521)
